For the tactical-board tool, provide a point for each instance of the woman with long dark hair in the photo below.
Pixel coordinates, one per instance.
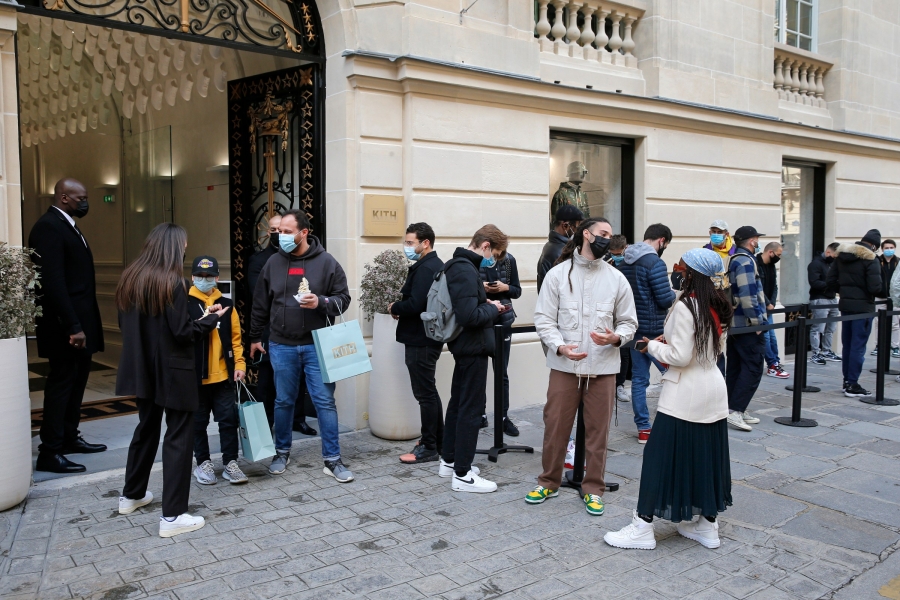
(686, 469)
(157, 367)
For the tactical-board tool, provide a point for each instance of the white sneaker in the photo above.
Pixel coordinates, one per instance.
(622, 394)
(205, 474)
(183, 524)
(701, 531)
(654, 390)
(736, 420)
(233, 473)
(446, 469)
(472, 483)
(638, 535)
(128, 506)
(749, 419)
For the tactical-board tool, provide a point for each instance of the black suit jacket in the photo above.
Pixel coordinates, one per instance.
(158, 354)
(257, 262)
(414, 299)
(68, 294)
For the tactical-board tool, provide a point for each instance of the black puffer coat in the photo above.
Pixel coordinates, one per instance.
(470, 305)
(856, 276)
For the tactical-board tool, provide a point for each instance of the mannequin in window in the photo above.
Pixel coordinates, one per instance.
(570, 191)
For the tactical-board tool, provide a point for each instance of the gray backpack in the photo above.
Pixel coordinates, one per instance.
(439, 319)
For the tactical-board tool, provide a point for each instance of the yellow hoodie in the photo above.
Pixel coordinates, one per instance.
(218, 370)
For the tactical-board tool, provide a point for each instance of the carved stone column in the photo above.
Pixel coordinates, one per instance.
(615, 41)
(542, 27)
(820, 88)
(587, 32)
(779, 77)
(572, 33)
(628, 43)
(559, 28)
(602, 39)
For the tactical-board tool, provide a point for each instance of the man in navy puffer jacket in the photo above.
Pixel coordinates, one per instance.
(653, 296)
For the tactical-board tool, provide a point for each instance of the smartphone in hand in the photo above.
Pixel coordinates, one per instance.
(641, 345)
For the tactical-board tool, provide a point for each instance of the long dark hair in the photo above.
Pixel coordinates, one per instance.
(149, 281)
(573, 245)
(702, 298)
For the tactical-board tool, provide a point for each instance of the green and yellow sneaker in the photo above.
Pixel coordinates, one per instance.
(593, 504)
(540, 494)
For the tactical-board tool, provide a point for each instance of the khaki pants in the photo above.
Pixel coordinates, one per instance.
(563, 397)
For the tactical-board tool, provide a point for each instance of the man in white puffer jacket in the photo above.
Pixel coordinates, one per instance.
(584, 313)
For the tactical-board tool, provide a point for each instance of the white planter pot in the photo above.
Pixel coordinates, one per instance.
(393, 410)
(15, 423)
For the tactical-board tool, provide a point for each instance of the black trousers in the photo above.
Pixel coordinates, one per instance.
(265, 393)
(421, 361)
(744, 369)
(467, 397)
(176, 456)
(63, 393)
(218, 398)
(625, 366)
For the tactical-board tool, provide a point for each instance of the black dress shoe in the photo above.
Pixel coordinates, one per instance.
(304, 428)
(510, 429)
(57, 463)
(484, 422)
(79, 446)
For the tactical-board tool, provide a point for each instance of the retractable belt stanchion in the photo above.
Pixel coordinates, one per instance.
(885, 315)
(799, 380)
(806, 389)
(889, 306)
(574, 477)
(499, 371)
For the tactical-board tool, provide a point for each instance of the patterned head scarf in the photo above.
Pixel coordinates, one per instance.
(706, 262)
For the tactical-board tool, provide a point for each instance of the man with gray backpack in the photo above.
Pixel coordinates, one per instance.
(459, 313)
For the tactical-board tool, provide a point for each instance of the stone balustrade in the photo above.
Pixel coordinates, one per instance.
(799, 75)
(594, 30)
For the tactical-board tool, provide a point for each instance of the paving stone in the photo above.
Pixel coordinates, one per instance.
(873, 430)
(879, 486)
(760, 508)
(883, 447)
(801, 466)
(169, 580)
(828, 574)
(246, 579)
(841, 438)
(326, 575)
(829, 527)
(202, 590)
(747, 453)
(863, 507)
(740, 586)
(805, 447)
(19, 584)
(801, 586)
(89, 586)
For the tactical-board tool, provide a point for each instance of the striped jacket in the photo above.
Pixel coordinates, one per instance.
(746, 289)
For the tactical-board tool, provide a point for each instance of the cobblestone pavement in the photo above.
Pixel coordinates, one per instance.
(813, 509)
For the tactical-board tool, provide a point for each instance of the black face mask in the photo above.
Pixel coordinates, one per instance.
(81, 208)
(660, 251)
(829, 260)
(599, 246)
(774, 259)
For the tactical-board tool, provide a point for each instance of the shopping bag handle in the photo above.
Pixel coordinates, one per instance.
(340, 314)
(238, 385)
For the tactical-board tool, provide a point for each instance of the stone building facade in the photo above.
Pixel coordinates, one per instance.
(683, 111)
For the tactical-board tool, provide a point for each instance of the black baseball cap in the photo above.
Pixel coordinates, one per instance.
(568, 212)
(205, 265)
(746, 232)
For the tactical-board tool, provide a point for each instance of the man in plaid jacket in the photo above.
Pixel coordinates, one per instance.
(746, 352)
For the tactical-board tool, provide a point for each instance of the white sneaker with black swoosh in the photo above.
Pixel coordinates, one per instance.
(472, 483)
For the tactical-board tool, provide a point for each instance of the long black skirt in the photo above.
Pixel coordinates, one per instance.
(686, 470)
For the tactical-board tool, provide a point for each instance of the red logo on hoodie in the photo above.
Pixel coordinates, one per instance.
(296, 271)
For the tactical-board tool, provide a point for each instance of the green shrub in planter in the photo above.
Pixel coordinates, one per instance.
(19, 282)
(382, 282)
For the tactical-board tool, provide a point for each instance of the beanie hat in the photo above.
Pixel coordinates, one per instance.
(873, 236)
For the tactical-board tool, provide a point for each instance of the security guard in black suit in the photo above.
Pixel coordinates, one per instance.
(69, 330)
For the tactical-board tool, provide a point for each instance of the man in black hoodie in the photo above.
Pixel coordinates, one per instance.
(565, 221)
(856, 276)
(422, 352)
(471, 349)
(301, 262)
(823, 304)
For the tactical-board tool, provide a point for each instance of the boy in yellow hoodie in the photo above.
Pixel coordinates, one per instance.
(219, 359)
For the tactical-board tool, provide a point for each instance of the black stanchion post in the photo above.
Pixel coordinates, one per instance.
(574, 477)
(889, 306)
(499, 371)
(883, 360)
(807, 389)
(795, 420)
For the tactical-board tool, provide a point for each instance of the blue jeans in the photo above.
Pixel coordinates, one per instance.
(854, 337)
(772, 357)
(288, 362)
(640, 380)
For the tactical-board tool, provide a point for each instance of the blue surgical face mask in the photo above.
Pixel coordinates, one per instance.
(411, 253)
(618, 258)
(204, 284)
(717, 238)
(286, 241)
(889, 253)
(487, 263)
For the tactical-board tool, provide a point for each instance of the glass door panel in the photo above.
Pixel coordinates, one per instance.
(797, 208)
(149, 199)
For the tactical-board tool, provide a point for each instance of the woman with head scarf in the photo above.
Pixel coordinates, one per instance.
(686, 470)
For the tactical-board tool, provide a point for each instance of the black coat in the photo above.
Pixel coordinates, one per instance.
(817, 273)
(508, 272)
(856, 276)
(470, 306)
(410, 329)
(552, 249)
(768, 276)
(257, 262)
(68, 294)
(887, 270)
(196, 308)
(157, 359)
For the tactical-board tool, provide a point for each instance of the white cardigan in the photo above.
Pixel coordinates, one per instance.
(691, 391)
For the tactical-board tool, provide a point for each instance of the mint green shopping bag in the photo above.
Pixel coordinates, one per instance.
(256, 437)
(341, 351)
